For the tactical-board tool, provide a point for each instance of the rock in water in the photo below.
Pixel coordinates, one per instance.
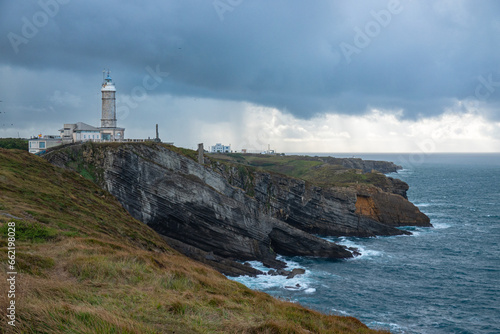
(295, 272)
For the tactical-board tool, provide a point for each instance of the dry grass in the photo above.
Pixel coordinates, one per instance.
(86, 266)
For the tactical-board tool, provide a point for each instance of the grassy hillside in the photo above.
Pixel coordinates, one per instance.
(14, 143)
(307, 168)
(86, 266)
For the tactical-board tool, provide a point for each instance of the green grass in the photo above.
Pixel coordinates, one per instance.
(191, 154)
(30, 231)
(14, 143)
(86, 266)
(310, 169)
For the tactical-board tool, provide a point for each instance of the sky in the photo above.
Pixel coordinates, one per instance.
(300, 76)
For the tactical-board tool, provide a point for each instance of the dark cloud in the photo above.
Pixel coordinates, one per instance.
(302, 57)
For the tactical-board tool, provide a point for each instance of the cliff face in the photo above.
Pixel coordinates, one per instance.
(191, 203)
(207, 212)
(388, 208)
(329, 211)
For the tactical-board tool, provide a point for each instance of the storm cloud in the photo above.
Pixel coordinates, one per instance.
(415, 59)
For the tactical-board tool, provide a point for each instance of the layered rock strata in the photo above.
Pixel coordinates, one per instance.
(218, 213)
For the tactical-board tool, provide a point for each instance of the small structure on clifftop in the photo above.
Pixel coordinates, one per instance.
(219, 148)
(201, 151)
(38, 144)
(157, 139)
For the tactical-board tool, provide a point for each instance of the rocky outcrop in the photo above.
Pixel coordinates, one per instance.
(219, 263)
(219, 213)
(389, 208)
(394, 186)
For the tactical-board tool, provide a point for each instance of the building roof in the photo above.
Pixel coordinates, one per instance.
(80, 126)
(46, 138)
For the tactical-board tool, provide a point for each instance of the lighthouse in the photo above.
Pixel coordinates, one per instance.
(108, 128)
(108, 119)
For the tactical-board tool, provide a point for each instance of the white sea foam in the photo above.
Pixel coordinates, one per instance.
(263, 282)
(423, 205)
(401, 172)
(394, 328)
(440, 226)
(432, 204)
(414, 230)
(339, 312)
(365, 252)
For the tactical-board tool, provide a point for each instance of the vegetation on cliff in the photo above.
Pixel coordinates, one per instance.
(14, 143)
(85, 265)
(317, 170)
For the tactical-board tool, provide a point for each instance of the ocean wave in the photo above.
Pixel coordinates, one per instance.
(339, 312)
(435, 203)
(392, 327)
(299, 283)
(440, 226)
(366, 253)
(401, 172)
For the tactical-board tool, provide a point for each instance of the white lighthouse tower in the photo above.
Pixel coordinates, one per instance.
(109, 131)
(108, 119)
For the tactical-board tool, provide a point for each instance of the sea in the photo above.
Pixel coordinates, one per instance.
(444, 279)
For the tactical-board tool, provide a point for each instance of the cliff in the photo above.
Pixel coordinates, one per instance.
(220, 211)
(359, 204)
(191, 203)
(364, 165)
(319, 170)
(85, 265)
(329, 211)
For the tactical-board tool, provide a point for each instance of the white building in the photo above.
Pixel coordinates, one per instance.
(40, 144)
(219, 148)
(80, 131)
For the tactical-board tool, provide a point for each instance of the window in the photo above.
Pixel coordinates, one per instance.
(42, 144)
(84, 136)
